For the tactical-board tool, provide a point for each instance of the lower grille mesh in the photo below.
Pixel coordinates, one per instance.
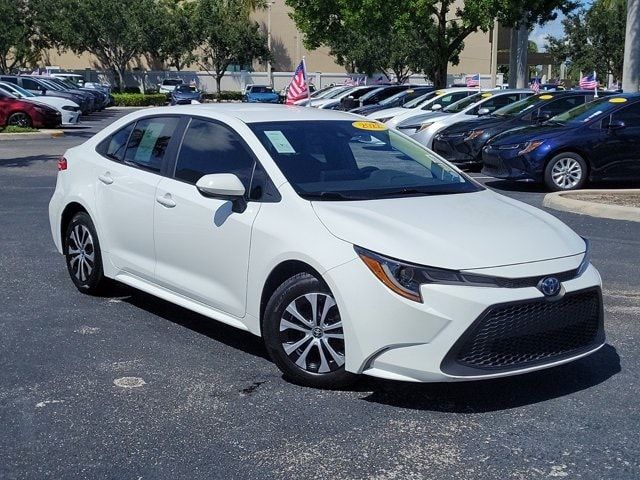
(526, 333)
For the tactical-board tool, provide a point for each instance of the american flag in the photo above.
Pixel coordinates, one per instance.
(589, 82)
(535, 86)
(472, 80)
(298, 87)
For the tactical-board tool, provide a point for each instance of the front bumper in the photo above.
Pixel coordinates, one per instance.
(391, 337)
(457, 150)
(69, 117)
(507, 164)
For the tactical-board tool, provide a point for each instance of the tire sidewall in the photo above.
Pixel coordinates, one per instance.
(547, 172)
(286, 293)
(95, 280)
(29, 121)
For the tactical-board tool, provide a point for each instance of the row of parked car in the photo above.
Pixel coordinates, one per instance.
(562, 138)
(48, 101)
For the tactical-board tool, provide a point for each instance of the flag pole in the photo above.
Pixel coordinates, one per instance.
(306, 81)
(595, 80)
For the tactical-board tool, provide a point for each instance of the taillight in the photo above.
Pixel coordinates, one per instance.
(62, 164)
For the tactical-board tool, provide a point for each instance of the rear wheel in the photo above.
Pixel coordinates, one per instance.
(304, 335)
(19, 119)
(82, 252)
(566, 171)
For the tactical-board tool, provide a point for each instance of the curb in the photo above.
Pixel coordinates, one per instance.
(562, 201)
(39, 135)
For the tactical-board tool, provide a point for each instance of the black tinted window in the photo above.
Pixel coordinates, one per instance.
(629, 115)
(209, 147)
(561, 105)
(115, 145)
(10, 80)
(30, 84)
(149, 141)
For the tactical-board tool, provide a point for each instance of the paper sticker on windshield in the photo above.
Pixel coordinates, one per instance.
(279, 141)
(372, 126)
(410, 91)
(617, 100)
(440, 92)
(546, 97)
(487, 95)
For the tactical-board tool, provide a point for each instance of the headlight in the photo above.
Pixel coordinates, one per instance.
(473, 134)
(424, 126)
(405, 278)
(530, 146)
(70, 108)
(586, 261)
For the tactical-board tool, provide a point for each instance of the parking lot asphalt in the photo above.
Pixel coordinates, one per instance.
(132, 387)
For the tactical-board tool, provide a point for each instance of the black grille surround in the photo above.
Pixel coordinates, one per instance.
(524, 282)
(517, 335)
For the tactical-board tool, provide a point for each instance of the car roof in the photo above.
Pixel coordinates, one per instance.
(249, 113)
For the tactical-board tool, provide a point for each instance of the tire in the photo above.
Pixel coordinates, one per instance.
(566, 171)
(314, 354)
(20, 119)
(83, 255)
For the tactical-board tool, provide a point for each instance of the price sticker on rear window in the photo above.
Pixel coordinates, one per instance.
(546, 97)
(617, 100)
(371, 126)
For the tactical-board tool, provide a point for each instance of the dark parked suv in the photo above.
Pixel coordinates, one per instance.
(38, 87)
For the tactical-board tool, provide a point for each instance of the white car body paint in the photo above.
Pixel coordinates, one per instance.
(213, 261)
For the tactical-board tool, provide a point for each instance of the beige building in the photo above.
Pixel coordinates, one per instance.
(288, 48)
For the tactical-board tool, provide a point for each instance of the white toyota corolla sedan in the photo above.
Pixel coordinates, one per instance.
(347, 246)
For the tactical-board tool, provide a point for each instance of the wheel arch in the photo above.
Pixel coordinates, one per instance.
(69, 211)
(278, 275)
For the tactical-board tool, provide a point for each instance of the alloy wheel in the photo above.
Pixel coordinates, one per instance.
(81, 252)
(566, 173)
(19, 119)
(311, 333)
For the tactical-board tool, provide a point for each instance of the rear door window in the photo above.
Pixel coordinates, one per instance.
(114, 147)
(148, 142)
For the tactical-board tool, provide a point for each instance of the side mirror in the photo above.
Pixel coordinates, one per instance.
(483, 111)
(436, 107)
(616, 125)
(226, 186)
(542, 117)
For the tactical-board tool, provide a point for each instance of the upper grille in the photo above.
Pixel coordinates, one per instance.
(533, 281)
(522, 334)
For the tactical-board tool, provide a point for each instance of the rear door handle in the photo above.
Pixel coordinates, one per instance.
(107, 179)
(166, 201)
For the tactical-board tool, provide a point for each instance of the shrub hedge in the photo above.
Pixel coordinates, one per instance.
(139, 99)
(16, 129)
(225, 95)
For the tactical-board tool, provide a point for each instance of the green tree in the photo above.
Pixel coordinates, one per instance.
(179, 40)
(227, 36)
(431, 33)
(593, 40)
(18, 46)
(114, 31)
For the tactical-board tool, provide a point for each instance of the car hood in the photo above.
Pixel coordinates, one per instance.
(460, 231)
(526, 133)
(476, 124)
(388, 112)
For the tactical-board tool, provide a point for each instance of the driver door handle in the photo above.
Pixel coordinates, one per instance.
(107, 179)
(166, 201)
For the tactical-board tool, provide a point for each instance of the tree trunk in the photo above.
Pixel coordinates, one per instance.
(440, 74)
(631, 68)
(218, 81)
(513, 58)
(120, 74)
(522, 50)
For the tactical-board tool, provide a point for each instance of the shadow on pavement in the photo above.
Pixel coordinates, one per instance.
(460, 397)
(22, 162)
(500, 394)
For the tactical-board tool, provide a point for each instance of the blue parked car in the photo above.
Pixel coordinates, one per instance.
(260, 94)
(184, 95)
(599, 140)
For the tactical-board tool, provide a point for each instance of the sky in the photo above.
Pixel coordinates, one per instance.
(551, 28)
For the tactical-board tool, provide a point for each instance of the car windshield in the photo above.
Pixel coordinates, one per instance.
(50, 85)
(460, 105)
(185, 88)
(417, 101)
(588, 111)
(261, 89)
(171, 81)
(519, 107)
(20, 90)
(339, 92)
(6, 94)
(360, 160)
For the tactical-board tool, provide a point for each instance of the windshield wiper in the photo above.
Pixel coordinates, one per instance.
(330, 196)
(411, 191)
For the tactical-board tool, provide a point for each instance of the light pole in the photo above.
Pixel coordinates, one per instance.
(631, 68)
(269, 76)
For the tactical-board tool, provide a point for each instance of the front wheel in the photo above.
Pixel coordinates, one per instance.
(565, 171)
(304, 335)
(19, 119)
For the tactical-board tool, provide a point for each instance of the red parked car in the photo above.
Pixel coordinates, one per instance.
(26, 114)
